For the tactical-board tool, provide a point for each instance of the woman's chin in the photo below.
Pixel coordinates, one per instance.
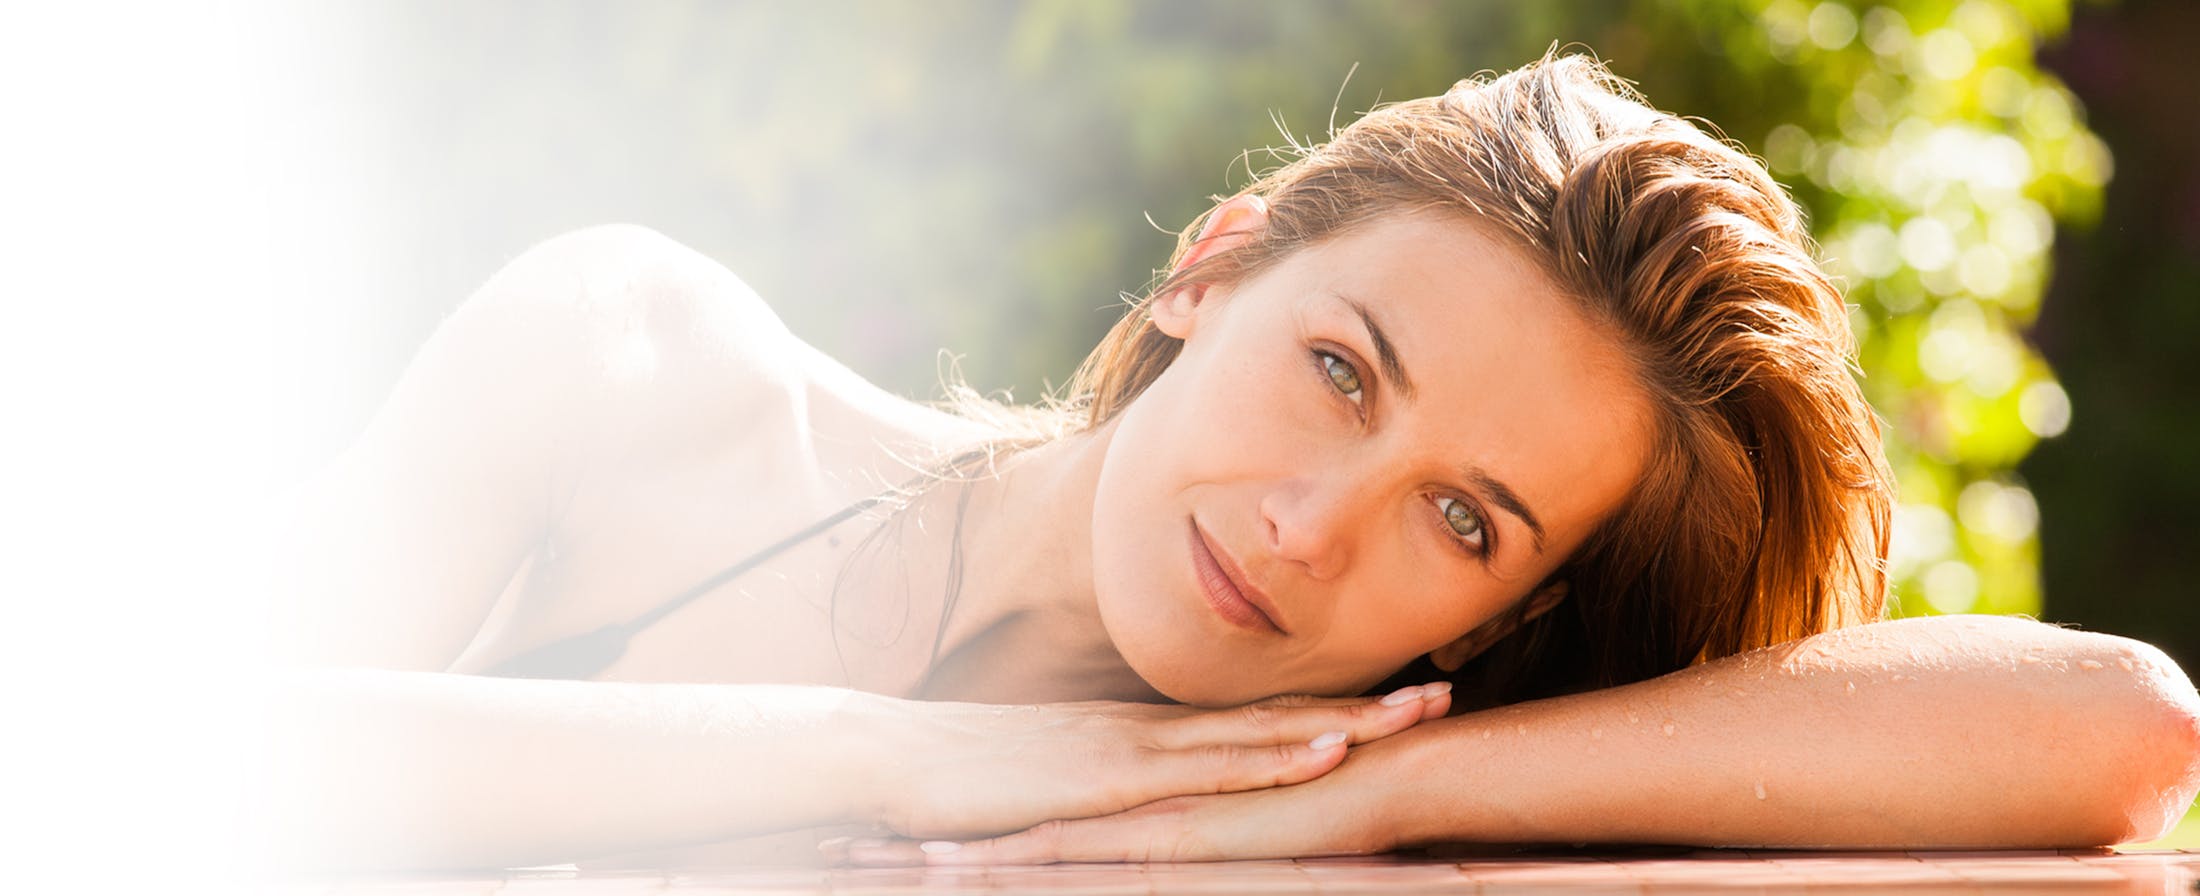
(1191, 682)
(1205, 686)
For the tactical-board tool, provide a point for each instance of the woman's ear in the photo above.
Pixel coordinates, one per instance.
(1456, 654)
(1232, 224)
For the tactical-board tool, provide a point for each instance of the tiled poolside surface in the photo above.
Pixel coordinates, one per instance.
(2166, 872)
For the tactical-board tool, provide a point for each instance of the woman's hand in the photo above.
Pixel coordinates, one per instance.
(964, 770)
(1352, 810)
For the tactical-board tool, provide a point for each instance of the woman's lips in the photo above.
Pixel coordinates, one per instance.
(1226, 589)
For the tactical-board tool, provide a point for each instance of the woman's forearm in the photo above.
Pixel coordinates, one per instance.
(1972, 731)
(417, 770)
(382, 769)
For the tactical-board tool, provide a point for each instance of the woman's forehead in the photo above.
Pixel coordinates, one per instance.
(1414, 245)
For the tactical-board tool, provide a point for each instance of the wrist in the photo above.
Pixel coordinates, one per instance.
(870, 730)
(1437, 783)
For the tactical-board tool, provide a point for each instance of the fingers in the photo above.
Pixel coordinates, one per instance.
(1042, 845)
(871, 852)
(1288, 720)
(1227, 768)
(1107, 839)
(1435, 701)
(1170, 831)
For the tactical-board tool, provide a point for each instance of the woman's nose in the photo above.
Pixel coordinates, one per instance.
(1310, 524)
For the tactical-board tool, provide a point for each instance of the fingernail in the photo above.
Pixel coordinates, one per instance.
(1435, 690)
(1403, 696)
(939, 847)
(1326, 741)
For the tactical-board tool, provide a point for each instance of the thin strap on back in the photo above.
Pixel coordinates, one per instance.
(587, 654)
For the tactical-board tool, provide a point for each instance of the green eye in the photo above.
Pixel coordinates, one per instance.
(1462, 519)
(1341, 375)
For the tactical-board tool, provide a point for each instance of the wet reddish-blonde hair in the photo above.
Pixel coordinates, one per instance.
(1763, 516)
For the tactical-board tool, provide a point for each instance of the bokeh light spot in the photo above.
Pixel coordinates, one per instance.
(1886, 31)
(1945, 54)
(2008, 513)
(2087, 160)
(1832, 25)
(1984, 271)
(1788, 149)
(1927, 245)
(1874, 251)
(1919, 534)
(1951, 586)
(2044, 408)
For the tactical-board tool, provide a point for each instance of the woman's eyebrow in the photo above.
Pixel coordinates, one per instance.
(1505, 499)
(1386, 352)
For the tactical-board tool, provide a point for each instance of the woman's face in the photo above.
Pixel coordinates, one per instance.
(1362, 455)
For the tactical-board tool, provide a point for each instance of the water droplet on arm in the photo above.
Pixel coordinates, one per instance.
(1760, 790)
(2089, 665)
(1669, 728)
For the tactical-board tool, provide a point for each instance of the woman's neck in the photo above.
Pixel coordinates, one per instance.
(1024, 625)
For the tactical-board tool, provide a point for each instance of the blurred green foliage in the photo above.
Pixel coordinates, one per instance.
(897, 177)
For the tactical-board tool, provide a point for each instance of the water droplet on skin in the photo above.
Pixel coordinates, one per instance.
(1760, 790)
(1520, 729)
(2125, 662)
(1852, 687)
(1485, 734)
(1631, 718)
(1668, 729)
(2030, 660)
(2090, 664)
(1897, 677)
(1596, 734)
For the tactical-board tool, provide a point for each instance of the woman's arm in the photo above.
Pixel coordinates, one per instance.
(387, 769)
(380, 769)
(1931, 732)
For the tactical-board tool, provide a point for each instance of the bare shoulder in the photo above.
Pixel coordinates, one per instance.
(673, 334)
(644, 309)
(629, 340)
(580, 355)
(626, 270)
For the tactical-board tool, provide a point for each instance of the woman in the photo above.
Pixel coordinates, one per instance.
(1525, 389)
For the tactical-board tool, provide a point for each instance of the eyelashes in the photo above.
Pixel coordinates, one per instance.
(1462, 520)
